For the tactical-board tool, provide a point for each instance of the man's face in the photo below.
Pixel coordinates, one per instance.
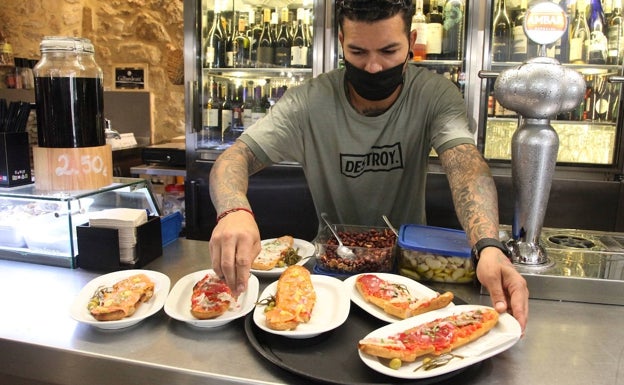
(376, 46)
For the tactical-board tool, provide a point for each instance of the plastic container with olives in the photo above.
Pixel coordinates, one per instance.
(435, 254)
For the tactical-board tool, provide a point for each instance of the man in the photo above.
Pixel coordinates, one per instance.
(363, 135)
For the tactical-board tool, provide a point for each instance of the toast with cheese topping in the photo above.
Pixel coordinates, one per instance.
(272, 252)
(294, 299)
(122, 299)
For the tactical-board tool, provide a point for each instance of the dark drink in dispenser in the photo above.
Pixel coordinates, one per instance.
(69, 94)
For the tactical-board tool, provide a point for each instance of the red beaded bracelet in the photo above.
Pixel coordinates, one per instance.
(226, 212)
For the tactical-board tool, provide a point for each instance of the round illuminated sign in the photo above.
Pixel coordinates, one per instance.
(545, 22)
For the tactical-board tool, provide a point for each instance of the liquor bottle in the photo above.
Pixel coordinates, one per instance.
(226, 114)
(579, 37)
(520, 47)
(283, 42)
(419, 24)
(265, 43)
(597, 52)
(434, 32)
(215, 44)
(616, 34)
(299, 48)
(242, 46)
(562, 46)
(501, 39)
(453, 31)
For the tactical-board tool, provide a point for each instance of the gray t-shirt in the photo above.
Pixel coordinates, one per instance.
(360, 167)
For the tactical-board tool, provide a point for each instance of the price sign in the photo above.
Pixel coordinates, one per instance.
(69, 169)
(545, 22)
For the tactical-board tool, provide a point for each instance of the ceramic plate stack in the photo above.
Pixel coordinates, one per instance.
(125, 221)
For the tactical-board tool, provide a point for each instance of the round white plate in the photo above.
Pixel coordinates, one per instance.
(79, 312)
(503, 336)
(178, 305)
(329, 312)
(416, 289)
(306, 250)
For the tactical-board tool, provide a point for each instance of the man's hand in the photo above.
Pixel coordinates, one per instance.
(508, 289)
(234, 244)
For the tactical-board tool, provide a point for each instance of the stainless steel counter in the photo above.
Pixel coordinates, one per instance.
(565, 343)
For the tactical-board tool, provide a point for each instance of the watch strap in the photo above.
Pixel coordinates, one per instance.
(488, 242)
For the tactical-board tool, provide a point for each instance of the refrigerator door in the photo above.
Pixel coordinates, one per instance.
(231, 79)
(590, 135)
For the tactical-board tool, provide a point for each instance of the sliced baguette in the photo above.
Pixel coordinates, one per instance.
(395, 299)
(122, 299)
(272, 252)
(294, 299)
(417, 341)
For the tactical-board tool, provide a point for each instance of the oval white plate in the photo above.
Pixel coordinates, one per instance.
(416, 289)
(79, 312)
(330, 311)
(503, 336)
(178, 305)
(306, 250)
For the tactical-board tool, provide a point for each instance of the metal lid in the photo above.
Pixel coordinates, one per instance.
(66, 43)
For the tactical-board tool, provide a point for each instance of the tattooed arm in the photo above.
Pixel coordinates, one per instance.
(235, 240)
(476, 205)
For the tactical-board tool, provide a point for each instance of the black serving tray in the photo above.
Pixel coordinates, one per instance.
(333, 357)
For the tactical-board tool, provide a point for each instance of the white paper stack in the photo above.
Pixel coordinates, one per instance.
(126, 222)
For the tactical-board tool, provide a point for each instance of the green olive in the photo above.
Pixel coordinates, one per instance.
(395, 363)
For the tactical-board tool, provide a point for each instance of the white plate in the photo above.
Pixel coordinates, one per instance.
(416, 289)
(503, 336)
(79, 311)
(330, 311)
(306, 250)
(178, 305)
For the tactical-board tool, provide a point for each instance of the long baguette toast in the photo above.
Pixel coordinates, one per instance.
(435, 337)
(294, 299)
(122, 299)
(395, 299)
(272, 252)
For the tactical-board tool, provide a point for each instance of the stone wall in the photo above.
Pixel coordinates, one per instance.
(146, 32)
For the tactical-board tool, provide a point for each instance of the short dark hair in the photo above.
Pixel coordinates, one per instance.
(369, 11)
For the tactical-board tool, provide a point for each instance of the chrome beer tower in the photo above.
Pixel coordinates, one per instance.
(537, 90)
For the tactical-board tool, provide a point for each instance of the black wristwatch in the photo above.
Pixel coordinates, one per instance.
(488, 242)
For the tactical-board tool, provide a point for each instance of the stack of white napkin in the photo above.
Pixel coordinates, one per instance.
(125, 221)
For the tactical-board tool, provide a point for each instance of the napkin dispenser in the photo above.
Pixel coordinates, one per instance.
(98, 247)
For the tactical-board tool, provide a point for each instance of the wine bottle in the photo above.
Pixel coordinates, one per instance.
(248, 103)
(283, 42)
(309, 37)
(265, 43)
(257, 111)
(434, 32)
(453, 31)
(299, 48)
(215, 44)
(226, 114)
(229, 43)
(616, 34)
(253, 33)
(579, 37)
(419, 24)
(501, 39)
(520, 47)
(212, 125)
(597, 52)
(237, 110)
(242, 46)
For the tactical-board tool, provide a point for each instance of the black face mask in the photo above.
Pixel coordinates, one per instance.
(374, 86)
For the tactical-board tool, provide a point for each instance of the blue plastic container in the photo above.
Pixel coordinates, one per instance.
(170, 227)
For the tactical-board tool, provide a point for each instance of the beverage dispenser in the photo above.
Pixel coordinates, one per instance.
(538, 90)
